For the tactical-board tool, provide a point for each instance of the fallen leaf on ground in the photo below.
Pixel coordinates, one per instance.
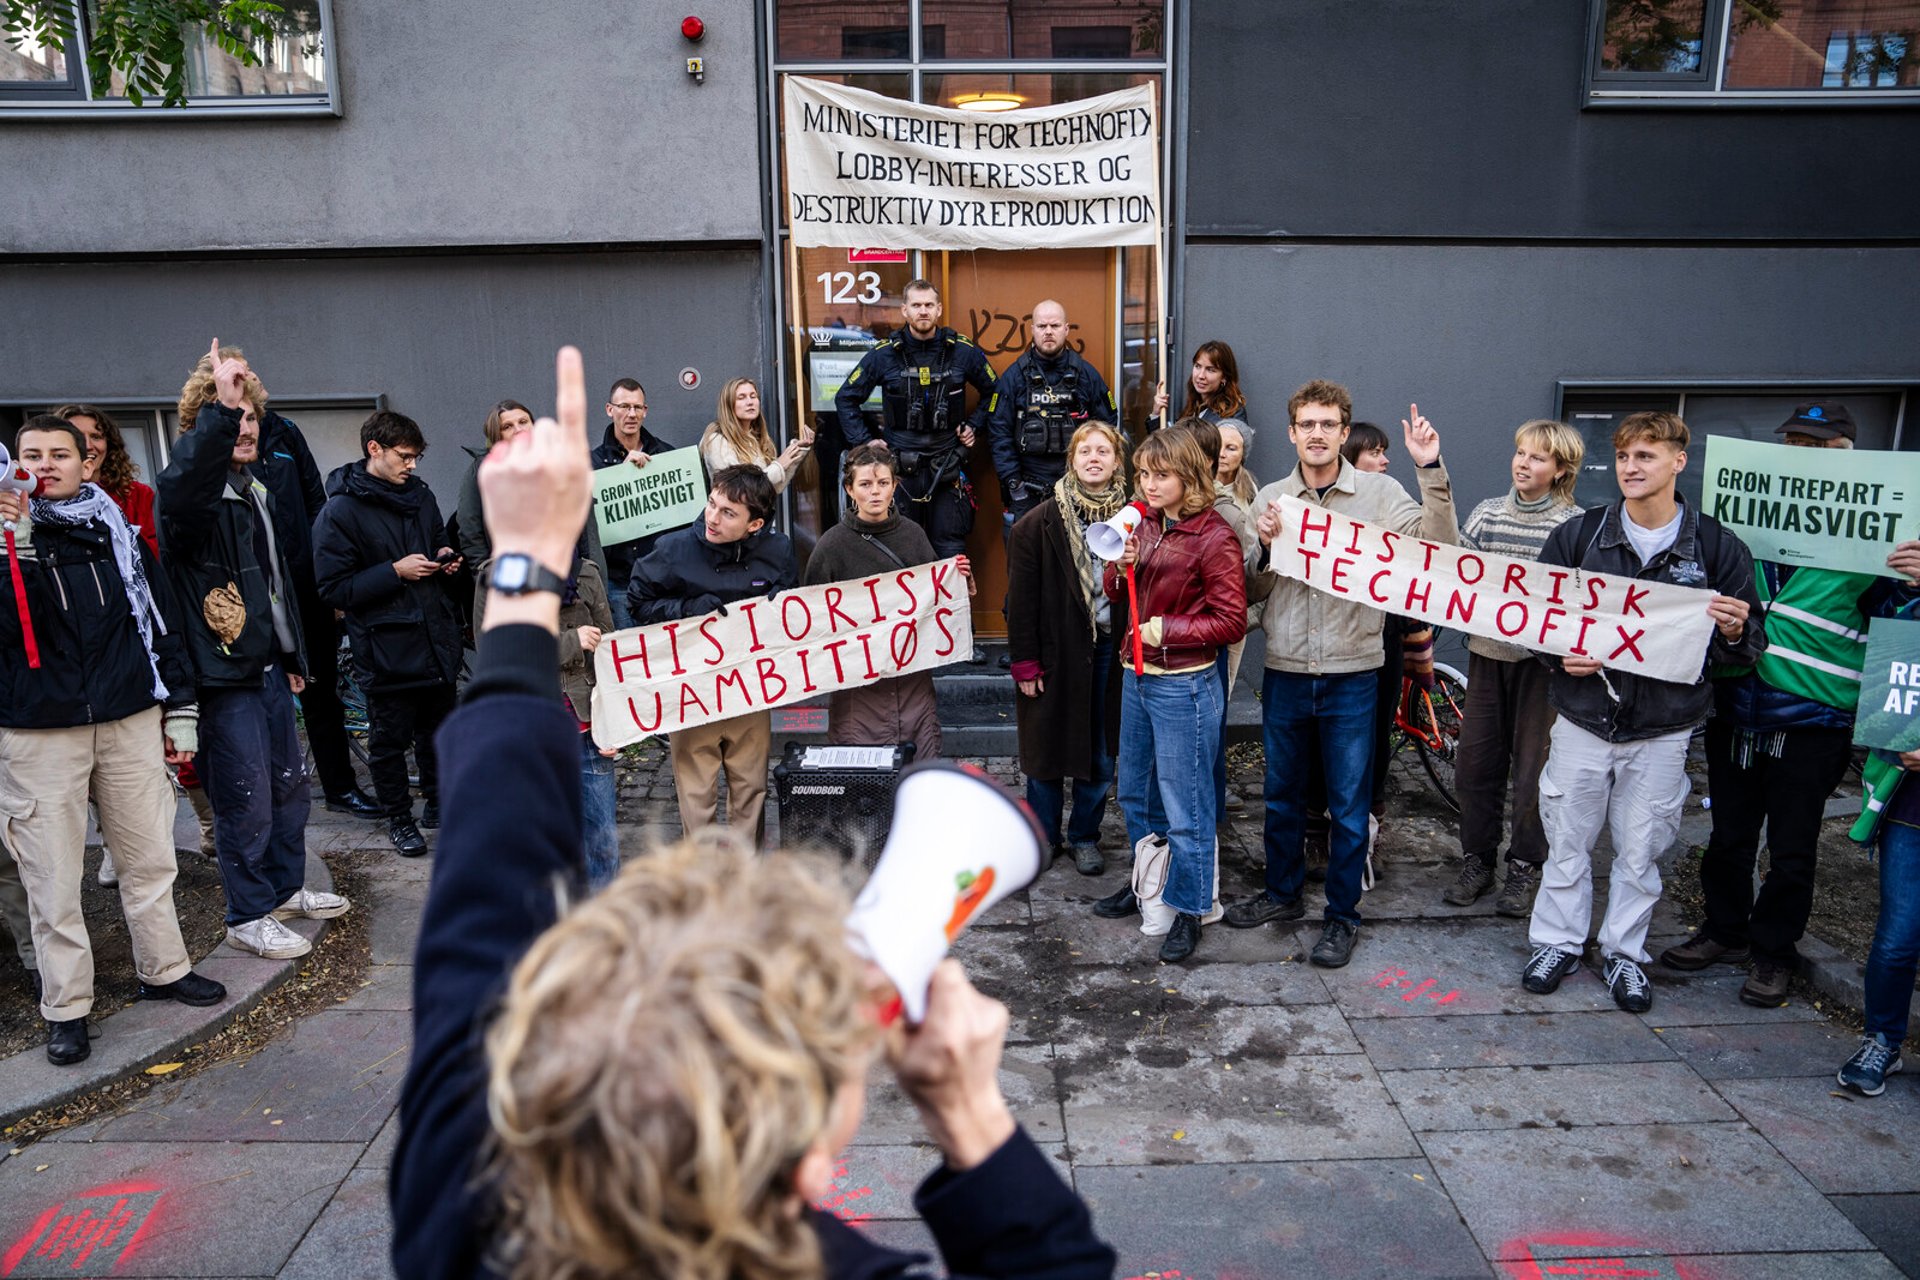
(162, 1068)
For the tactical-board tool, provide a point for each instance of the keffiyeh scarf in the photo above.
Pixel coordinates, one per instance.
(87, 506)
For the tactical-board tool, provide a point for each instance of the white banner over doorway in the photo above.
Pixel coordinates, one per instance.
(867, 169)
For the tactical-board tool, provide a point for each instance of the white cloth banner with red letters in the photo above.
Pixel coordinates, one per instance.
(1652, 629)
(761, 653)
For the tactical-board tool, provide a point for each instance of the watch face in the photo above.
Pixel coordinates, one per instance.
(511, 573)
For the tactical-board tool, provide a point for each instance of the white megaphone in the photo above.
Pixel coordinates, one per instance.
(959, 844)
(15, 478)
(1109, 538)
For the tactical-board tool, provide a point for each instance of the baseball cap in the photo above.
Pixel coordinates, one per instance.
(1819, 420)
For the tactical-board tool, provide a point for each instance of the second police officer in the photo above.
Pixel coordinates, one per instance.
(1037, 406)
(923, 372)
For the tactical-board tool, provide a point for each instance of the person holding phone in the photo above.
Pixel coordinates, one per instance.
(381, 555)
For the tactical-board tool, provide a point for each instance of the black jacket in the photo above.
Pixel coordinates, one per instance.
(620, 558)
(1704, 555)
(923, 392)
(1074, 392)
(405, 635)
(687, 576)
(468, 528)
(511, 836)
(208, 541)
(288, 470)
(93, 665)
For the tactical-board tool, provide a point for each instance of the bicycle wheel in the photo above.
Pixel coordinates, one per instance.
(353, 703)
(1439, 745)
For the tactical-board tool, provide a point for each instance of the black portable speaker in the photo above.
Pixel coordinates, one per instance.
(839, 798)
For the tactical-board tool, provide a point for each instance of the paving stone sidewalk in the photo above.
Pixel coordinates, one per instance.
(1244, 1115)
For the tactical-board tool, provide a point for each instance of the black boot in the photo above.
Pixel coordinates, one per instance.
(1181, 939)
(356, 802)
(1118, 906)
(67, 1042)
(407, 840)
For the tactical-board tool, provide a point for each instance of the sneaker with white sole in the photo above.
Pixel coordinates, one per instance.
(1867, 1070)
(1546, 967)
(311, 904)
(109, 874)
(1628, 982)
(267, 937)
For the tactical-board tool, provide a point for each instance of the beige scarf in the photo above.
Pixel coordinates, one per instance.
(1080, 507)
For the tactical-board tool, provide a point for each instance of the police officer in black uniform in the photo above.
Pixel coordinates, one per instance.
(1037, 406)
(922, 372)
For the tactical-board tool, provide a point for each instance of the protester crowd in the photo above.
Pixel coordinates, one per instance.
(160, 636)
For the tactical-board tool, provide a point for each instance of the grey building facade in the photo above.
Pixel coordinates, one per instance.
(1502, 211)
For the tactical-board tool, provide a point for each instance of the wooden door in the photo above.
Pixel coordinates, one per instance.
(990, 297)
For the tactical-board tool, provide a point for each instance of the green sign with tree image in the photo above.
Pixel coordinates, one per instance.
(1889, 711)
(1830, 508)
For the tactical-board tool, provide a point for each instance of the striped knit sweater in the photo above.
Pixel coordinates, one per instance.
(1507, 526)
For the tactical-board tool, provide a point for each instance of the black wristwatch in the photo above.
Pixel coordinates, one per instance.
(519, 575)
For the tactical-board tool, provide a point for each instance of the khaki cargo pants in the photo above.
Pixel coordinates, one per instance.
(45, 777)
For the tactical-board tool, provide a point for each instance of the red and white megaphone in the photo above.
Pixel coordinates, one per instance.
(15, 478)
(1109, 538)
(958, 845)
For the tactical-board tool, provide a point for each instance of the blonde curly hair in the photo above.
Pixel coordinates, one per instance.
(200, 391)
(664, 1056)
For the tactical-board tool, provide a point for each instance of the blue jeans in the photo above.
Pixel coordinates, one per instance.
(1333, 717)
(1896, 938)
(1167, 728)
(599, 832)
(1220, 743)
(617, 603)
(1047, 796)
(250, 762)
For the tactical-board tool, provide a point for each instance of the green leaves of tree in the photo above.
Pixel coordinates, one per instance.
(145, 40)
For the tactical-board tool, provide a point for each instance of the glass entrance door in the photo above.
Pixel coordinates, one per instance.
(981, 55)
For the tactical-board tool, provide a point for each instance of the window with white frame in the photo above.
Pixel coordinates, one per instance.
(1754, 51)
(293, 72)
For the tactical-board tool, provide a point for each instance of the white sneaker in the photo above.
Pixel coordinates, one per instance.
(109, 874)
(268, 937)
(311, 904)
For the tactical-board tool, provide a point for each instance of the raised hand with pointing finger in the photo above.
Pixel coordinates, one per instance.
(229, 377)
(533, 488)
(1423, 442)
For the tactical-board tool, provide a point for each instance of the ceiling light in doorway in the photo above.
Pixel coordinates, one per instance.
(990, 100)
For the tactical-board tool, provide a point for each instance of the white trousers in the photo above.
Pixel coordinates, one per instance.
(1636, 791)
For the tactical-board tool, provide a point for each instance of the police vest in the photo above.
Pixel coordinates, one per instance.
(921, 401)
(1051, 412)
(1816, 635)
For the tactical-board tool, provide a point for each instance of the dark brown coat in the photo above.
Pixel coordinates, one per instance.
(1047, 623)
(902, 709)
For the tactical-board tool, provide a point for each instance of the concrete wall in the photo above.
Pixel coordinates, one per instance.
(1429, 118)
(443, 336)
(487, 122)
(1479, 335)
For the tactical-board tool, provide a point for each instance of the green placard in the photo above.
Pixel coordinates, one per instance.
(1830, 508)
(631, 502)
(1889, 712)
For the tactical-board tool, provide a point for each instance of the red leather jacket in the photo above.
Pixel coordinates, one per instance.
(1190, 576)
